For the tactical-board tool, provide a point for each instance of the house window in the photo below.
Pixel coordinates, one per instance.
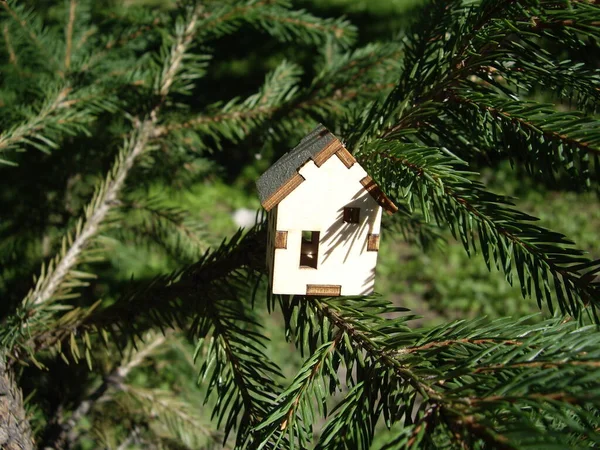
(351, 215)
(309, 249)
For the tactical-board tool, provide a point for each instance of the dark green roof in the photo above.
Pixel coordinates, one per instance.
(287, 166)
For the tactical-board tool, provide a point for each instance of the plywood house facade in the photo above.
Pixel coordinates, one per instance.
(324, 216)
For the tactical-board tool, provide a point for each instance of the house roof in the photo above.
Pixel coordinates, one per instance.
(319, 145)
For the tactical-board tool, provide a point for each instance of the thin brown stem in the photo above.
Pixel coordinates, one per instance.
(384, 356)
(467, 341)
(22, 132)
(550, 134)
(567, 274)
(67, 433)
(12, 56)
(69, 33)
(536, 364)
(308, 381)
(25, 26)
(471, 425)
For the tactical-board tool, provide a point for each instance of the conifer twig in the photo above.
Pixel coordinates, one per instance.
(20, 134)
(12, 56)
(15, 431)
(98, 210)
(101, 205)
(112, 382)
(27, 29)
(49, 285)
(69, 33)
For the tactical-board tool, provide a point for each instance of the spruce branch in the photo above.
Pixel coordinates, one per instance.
(236, 119)
(30, 25)
(175, 417)
(51, 279)
(481, 42)
(229, 345)
(446, 369)
(9, 47)
(281, 102)
(65, 432)
(67, 111)
(461, 83)
(151, 221)
(69, 33)
(475, 216)
(59, 278)
(107, 194)
(131, 35)
(306, 390)
(362, 336)
(276, 18)
(548, 142)
(166, 300)
(15, 430)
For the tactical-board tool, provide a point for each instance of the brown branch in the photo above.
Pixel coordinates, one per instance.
(222, 117)
(187, 231)
(20, 133)
(313, 373)
(9, 48)
(239, 10)
(114, 42)
(540, 24)
(554, 396)
(15, 431)
(132, 36)
(24, 25)
(81, 42)
(498, 113)
(365, 343)
(69, 33)
(536, 364)
(450, 342)
(337, 31)
(459, 423)
(565, 273)
(176, 55)
(425, 421)
(338, 95)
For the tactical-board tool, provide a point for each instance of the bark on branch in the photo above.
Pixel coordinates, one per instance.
(15, 432)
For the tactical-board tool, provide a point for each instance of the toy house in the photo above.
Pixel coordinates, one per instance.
(324, 216)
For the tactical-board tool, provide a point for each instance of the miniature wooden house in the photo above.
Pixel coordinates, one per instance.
(324, 216)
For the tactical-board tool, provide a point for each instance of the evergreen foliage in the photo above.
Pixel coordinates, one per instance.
(110, 111)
